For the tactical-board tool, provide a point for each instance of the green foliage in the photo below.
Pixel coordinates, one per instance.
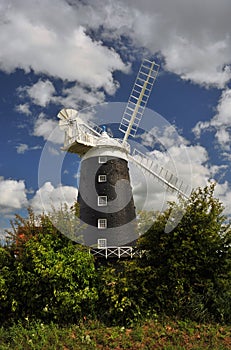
(192, 263)
(123, 293)
(51, 278)
(67, 221)
(145, 220)
(6, 283)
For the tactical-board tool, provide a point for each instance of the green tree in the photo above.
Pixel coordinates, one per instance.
(67, 221)
(6, 283)
(123, 293)
(52, 278)
(191, 264)
(145, 220)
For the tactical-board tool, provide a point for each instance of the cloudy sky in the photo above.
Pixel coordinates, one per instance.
(69, 53)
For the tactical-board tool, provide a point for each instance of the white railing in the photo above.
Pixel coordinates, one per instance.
(115, 252)
(75, 134)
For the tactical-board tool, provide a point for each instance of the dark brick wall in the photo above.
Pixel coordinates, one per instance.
(120, 210)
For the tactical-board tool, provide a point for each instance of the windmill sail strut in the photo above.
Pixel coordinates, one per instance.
(138, 99)
(166, 177)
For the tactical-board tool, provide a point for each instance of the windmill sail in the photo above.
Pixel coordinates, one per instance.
(170, 181)
(138, 99)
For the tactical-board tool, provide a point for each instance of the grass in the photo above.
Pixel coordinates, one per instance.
(151, 335)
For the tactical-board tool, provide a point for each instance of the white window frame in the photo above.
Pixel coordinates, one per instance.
(102, 159)
(102, 224)
(102, 201)
(102, 178)
(102, 243)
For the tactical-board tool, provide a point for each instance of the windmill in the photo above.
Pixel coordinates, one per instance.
(105, 193)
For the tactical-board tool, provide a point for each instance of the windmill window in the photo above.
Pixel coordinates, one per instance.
(102, 201)
(102, 243)
(102, 159)
(102, 223)
(102, 178)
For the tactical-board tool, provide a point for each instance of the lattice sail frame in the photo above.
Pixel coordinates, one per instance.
(170, 181)
(138, 99)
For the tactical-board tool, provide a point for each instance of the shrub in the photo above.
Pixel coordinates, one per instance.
(49, 277)
(192, 263)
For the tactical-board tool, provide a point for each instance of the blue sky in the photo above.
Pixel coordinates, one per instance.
(75, 54)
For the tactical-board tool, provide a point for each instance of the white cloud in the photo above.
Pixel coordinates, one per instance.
(223, 138)
(31, 37)
(203, 64)
(223, 192)
(48, 197)
(22, 148)
(218, 170)
(23, 108)
(13, 195)
(193, 44)
(165, 135)
(191, 165)
(201, 127)
(41, 93)
(79, 97)
(188, 163)
(221, 122)
(223, 116)
(53, 151)
(48, 129)
(193, 37)
(3, 235)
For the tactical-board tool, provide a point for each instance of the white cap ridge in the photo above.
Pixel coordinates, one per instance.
(107, 146)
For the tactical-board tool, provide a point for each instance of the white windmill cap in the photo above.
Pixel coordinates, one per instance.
(106, 140)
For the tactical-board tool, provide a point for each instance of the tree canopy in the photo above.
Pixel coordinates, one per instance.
(192, 263)
(44, 275)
